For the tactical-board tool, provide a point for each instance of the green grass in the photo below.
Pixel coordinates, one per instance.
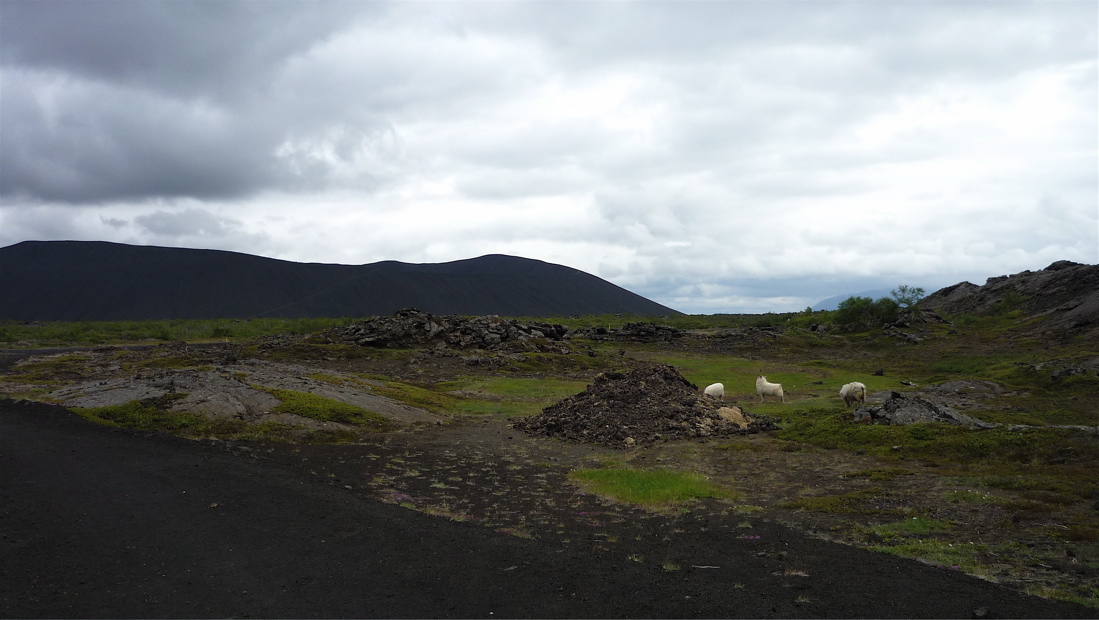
(881, 473)
(661, 488)
(938, 443)
(58, 333)
(915, 526)
(853, 502)
(956, 556)
(323, 409)
(510, 396)
(147, 416)
(64, 367)
(150, 416)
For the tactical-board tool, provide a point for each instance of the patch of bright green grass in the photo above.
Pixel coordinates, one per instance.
(148, 417)
(324, 409)
(550, 390)
(661, 488)
(916, 526)
(418, 396)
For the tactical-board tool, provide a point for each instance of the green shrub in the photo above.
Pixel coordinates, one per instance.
(861, 313)
(907, 296)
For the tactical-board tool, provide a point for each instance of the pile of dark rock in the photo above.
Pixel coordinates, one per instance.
(903, 409)
(637, 332)
(752, 335)
(413, 328)
(642, 406)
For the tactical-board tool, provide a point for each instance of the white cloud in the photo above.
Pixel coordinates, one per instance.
(714, 156)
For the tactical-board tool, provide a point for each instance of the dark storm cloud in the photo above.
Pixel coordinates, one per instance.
(123, 100)
(94, 143)
(193, 49)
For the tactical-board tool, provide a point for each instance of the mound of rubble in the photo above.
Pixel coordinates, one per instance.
(413, 328)
(638, 407)
(903, 409)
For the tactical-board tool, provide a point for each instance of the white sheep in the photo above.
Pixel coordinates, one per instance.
(716, 390)
(854, 392)
(765, 388)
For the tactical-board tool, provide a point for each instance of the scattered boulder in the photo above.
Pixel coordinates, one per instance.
(735, 415)
(964, 394)
(642, 406)
(903, 336)
(903, 409)
(413, 328)
(1059, 370)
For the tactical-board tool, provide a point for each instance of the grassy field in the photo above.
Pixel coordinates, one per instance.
(1038, 484)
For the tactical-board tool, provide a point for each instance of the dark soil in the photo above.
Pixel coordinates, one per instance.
(100, 522)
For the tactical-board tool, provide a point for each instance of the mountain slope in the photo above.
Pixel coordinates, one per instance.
(1066, 293)
(95, 280)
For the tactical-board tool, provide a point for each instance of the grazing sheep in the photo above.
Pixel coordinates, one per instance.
(764, 388)
(716, 390)
(854, 393)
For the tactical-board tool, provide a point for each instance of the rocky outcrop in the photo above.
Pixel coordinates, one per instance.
(642, 406)
(413, 328)
(636, 332)
(903, 409)
(1065, 292)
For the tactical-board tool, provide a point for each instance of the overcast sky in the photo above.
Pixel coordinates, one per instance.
(735, 156)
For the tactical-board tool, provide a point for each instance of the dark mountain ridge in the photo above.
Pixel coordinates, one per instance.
(98, 280)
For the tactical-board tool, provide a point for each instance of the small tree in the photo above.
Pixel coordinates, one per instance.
(852, 312)
(907, 296)
(856, 313)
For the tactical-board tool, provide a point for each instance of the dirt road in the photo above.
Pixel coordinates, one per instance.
(99, 522)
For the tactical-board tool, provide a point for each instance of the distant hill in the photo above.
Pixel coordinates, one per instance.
(95, 280)
(834, 302)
